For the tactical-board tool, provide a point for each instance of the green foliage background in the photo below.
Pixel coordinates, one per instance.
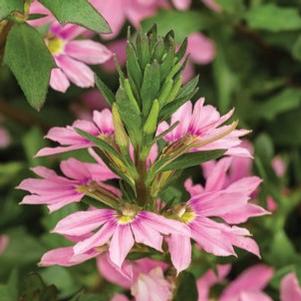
(257, 70)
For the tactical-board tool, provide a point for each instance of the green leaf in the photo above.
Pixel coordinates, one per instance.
(193, 159)
(288, 99)
(130, 115)
(8, 171)
(79, 12)
(273, 18)
(187, 289)
(231, 6)
(183, 23)
(150, 86)
(9, 291)
(105, 90)
(98, 142)
(9, 6)
(132, 65)
(296, 51)
(28, 58)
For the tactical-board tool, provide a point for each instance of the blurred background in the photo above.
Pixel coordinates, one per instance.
(248, 56)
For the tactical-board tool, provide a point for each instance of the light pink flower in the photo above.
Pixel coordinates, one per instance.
(37, 8)
(69, 139)
(200, 48)
(249, 285)
(144, 277)
(290, 289)
(204, 125)
(181, 4)
(3, 243)
(120, 230)
(119, 49)
(72, 56)
(119, 297)
(5, 139)
(212, 5)
(228, 203)
(209, 279)
(116, 12)
(57, 191)
(279, 166)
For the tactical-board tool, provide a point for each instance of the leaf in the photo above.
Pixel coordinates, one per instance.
(287, 100)
(79, 12)
(28, 58)
(105, 90)
(9, 291)
(296, 51)
(150, 86)
(193, 159)
(132, 65)
(8, 171)
(98, 142)
(187, 289)
(9, 6)
(273, 18)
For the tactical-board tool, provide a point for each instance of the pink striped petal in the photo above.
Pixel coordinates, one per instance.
(88, 51)
(121, 244)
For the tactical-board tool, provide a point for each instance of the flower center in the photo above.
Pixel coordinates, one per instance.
(185, 214)
(55, 45)
(127, 215)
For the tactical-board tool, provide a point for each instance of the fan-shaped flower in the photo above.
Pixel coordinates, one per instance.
(202, 126)
(57, 191)
(102, 125)
(230, 204)
(120, 230)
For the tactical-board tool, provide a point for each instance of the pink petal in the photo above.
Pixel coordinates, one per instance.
(181, 4)
(4, 240)
(58, 80)
(98, 239)
(179, 247)
(112, 273)
(290, 289)
(88, 51)
(77, 72)
(83, 222)
(119, 297)
(253, 279)
(201, 49)
(64, 257)
(121, 244)
(147, 236)
(213, 5)
(251, 296)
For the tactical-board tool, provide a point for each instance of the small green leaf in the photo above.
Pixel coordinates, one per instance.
(29, 59)
(187, 289)
(273, 18)
(150, 86)
(193, 159)
(296, 51)
(79, 12)
(132, 64)
(9, 6)
(105, 90)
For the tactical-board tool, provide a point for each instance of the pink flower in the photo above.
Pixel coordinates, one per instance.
(290, 289)
(102, 125)
(72, 56)
(202, 126)
(5, 139)
(37, 8)
(57, 191)
(279, 166)
(119, 297)
(249, 285)
(119, 49)
(3, 243)
(228, 203)
(181, 4)
(200, 48)
(116, 12)
(209, 279)
(120, 230)
(144, 277)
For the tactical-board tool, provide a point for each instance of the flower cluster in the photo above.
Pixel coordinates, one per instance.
(136, 154)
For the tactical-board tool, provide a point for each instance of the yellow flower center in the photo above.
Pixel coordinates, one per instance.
(185, 214)
(55, 45)
(127, 215)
